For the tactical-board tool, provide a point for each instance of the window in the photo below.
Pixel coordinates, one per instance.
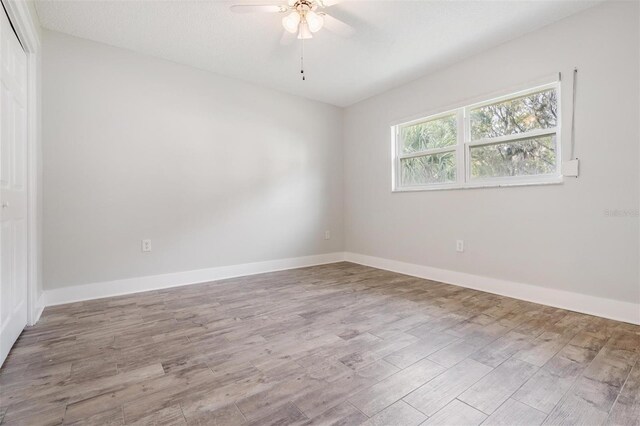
(429, 151)
(506, 141)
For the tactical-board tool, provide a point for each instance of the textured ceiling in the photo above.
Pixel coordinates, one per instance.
(395, 41)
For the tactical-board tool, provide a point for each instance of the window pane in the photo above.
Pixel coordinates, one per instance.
(431, 134)
(524, 157)
(518, 115)
(435, 168)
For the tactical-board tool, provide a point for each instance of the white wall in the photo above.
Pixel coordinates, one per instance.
(217, 172)
(551, 236)
(214, 171)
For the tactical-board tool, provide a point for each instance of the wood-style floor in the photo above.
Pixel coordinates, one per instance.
(335, 344)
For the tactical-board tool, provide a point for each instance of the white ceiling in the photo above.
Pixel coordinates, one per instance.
(395, 41)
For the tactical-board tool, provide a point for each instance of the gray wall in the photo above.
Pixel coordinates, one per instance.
(214, 171)
(552, 236)
(218, 172)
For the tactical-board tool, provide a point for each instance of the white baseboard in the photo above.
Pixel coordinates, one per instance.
(99, 290)
(607, 308)
(599, 306)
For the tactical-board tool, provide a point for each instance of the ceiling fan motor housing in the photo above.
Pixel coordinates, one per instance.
(303, 6)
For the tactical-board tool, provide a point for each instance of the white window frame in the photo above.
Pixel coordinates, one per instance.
(464, 145)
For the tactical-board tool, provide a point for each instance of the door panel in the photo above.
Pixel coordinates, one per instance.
(13, 191)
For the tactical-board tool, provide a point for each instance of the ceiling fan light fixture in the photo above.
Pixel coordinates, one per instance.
(291, 22)
(304, 33)
(314, 21)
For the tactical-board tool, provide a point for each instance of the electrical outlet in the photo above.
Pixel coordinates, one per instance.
(460, 246)
(146, 245)
(327, 235)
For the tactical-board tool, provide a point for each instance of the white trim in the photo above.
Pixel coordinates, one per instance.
(592, 305)
(23, 22)
(540, 180)
(25, 26)
(428, 152)
(395, 168)
(531, 134)
(155, 282)
(461, 155)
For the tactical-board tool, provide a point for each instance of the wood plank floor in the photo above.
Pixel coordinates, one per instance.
(338, 344)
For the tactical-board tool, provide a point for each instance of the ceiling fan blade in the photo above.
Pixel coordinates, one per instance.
(287, 38)
(328, 3)
(252, 8)
(337, 26)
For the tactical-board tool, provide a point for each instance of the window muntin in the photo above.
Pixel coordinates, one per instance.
(506, 141)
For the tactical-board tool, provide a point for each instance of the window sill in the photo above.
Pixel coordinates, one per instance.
(556, 180)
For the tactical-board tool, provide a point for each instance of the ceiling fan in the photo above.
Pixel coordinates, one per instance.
(304, 17)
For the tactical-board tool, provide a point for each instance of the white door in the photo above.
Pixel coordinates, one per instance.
(13, 188)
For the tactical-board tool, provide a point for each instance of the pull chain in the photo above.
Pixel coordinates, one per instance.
(302, 59)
